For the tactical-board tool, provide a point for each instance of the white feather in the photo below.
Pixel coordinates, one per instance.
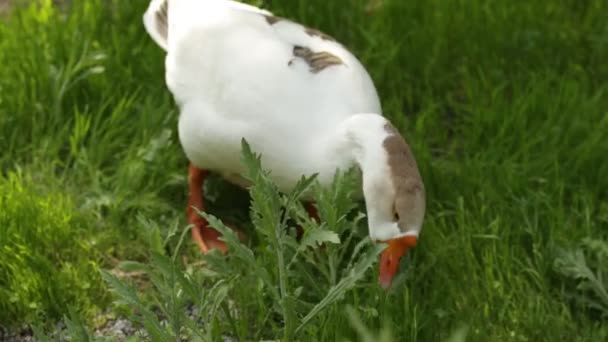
(150, 23)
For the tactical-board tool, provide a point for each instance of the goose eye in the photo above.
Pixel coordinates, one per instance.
(396, 216)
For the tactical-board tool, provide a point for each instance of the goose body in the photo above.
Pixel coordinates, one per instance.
(297, 96)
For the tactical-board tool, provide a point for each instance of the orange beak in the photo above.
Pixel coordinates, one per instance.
(389, 260)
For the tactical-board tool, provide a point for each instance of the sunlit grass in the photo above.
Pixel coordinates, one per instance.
(505, 106)
(50, 256)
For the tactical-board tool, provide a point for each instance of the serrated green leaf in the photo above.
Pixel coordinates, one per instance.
(252, 162)
(216, 295)
(303, 185)
(155, 240)
(346, 283)
(315, 238)
(237, 249)
(358, 248)
(126, 292)
(76, 327)
(162, 264)
(593, 293)
(154, 329)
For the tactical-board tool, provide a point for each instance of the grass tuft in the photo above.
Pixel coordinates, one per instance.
(49, 259)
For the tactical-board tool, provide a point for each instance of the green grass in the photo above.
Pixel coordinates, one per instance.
(505, 104)
(49, 256)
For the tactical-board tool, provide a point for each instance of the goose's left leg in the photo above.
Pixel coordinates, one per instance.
(205, 237)
(312, 211)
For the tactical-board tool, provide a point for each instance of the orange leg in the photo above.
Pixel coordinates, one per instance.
(205, 237)
(312, 211)
(314, 214)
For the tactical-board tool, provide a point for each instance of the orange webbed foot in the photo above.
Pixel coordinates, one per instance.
(204, 236)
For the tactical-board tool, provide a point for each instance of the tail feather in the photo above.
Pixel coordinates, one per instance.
(156, 21)
(190, 13)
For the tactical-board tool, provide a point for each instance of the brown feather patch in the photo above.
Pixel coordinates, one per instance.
(316, 33)
(162, 19)
(406, 179)
(317, 61)
(271, 19)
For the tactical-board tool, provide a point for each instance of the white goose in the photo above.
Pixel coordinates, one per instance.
(298, 97)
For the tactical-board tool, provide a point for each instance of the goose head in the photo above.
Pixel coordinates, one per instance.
(392, 187)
